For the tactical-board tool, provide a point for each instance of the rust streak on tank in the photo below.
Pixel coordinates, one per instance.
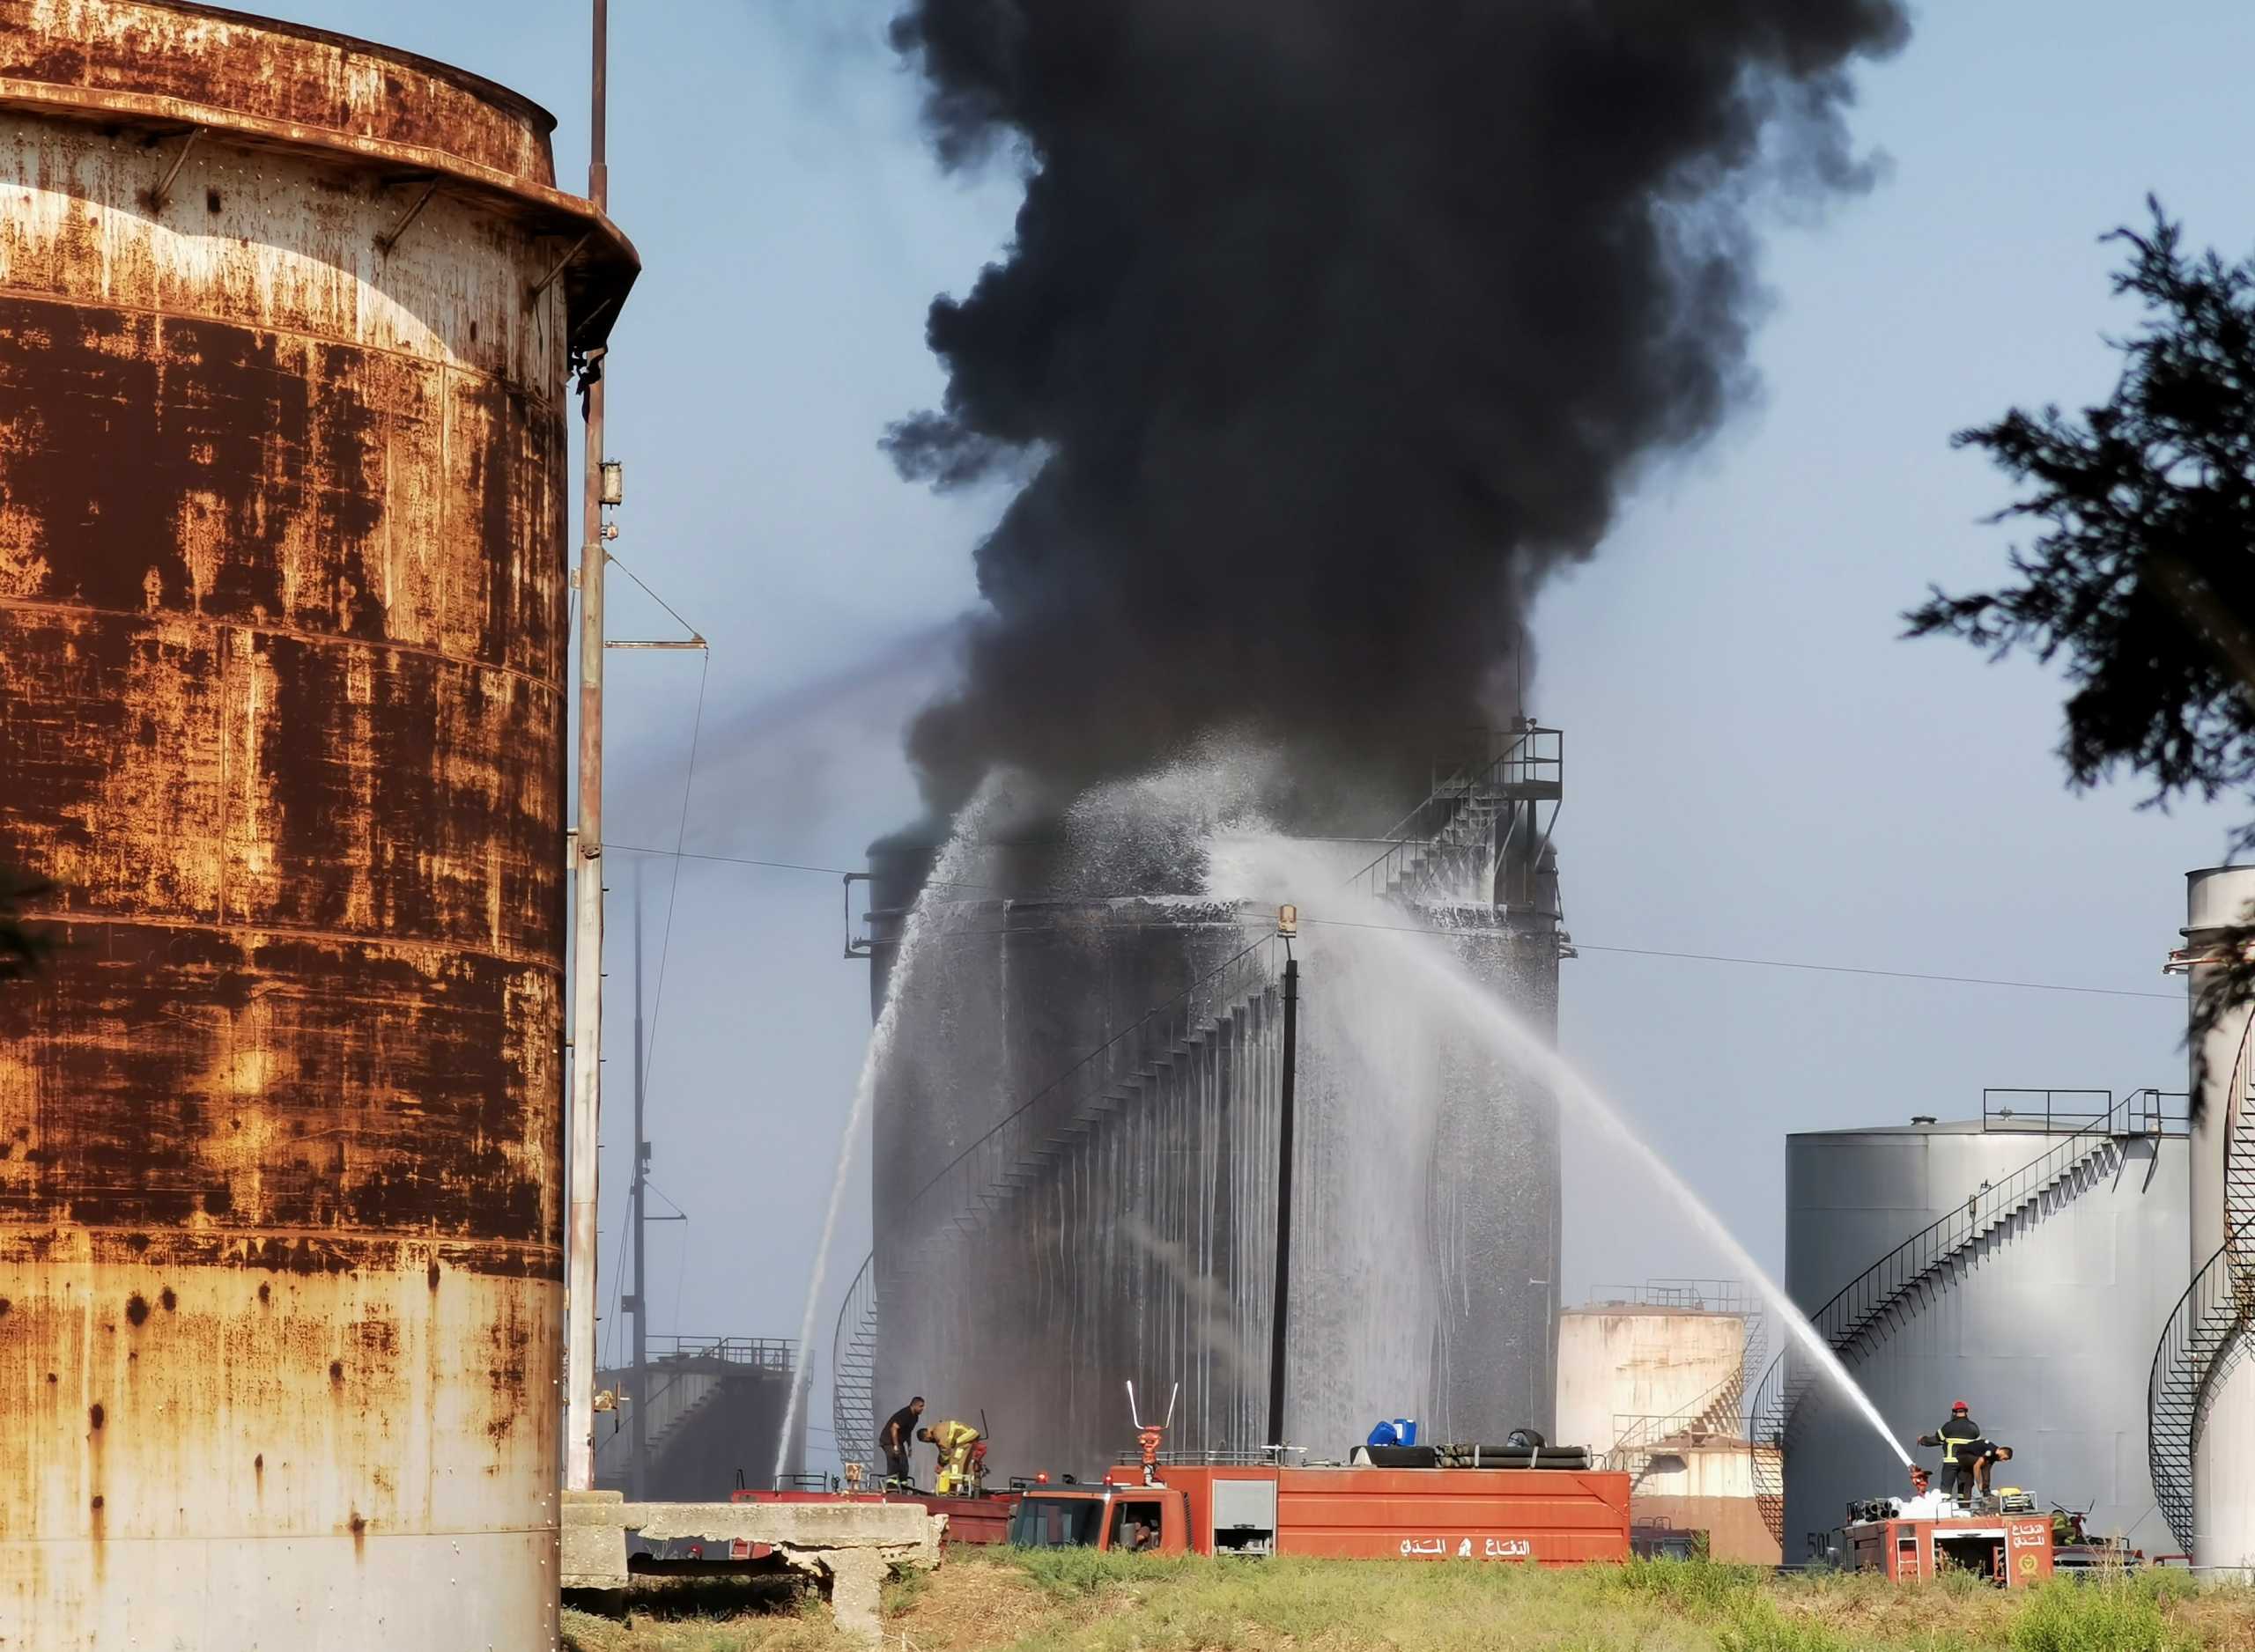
(282, 663)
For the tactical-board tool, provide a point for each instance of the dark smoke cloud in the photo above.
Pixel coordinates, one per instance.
(1329, 329)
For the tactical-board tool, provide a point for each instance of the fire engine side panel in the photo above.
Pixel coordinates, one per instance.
(1539, 1516)
(2045, 1328)
(1907, 1550)
(281, 715)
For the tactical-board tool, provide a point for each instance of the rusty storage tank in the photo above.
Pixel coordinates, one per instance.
(285, 322)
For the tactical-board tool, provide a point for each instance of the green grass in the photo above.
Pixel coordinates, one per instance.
(1077, 1601)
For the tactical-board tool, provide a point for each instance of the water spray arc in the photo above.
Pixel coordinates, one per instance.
(948, 868)
(1489, 1018)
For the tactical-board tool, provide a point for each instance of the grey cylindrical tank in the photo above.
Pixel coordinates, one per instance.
(1141, 1247)
(2222, 1177)
(1017, 980)
(2045, 1329)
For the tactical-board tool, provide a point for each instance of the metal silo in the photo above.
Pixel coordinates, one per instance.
(284, 328)
(1075, 1130)
(2202, 1394)
(2022, 1261)
(1038, 1095)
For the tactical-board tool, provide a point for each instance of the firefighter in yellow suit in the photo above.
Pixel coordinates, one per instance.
(954, 1442)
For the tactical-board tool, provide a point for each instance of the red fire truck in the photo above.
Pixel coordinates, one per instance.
(2002, 1540)
(1538, 1507)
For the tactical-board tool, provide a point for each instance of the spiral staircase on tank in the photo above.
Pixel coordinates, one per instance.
(2212, 1327)
(854, 1370)
(1860, 1312)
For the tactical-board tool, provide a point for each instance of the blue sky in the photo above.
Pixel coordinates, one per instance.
(1758, 766)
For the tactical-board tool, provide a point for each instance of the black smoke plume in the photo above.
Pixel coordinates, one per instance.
(1330, 327)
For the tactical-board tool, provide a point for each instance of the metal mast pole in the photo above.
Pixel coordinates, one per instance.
(587, 996)
(641, 1418)
(1282, 1302)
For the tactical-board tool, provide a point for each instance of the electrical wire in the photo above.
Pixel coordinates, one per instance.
(680, 1279)
(1768, 963)
(681, 1273)
(1579, 946)
(694, 636)
(780, 865)
(1892, 975)
(617, 1285)
(673, 890)
(665, 946)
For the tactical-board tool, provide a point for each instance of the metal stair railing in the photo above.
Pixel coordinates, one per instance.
(2210, 1331)
(680, 1358)
(1717, 1411)
(2239, 1156)
(1861, 1303)
(1722, 1410)
(853, 1370)
(2205, 1335)
(671, 1428)
(1860, 1306)
(964, 1194)
(1765, 1429)
(1449, 834)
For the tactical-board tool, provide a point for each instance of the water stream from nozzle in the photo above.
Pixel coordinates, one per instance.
(1489, 1018)
(946, 870)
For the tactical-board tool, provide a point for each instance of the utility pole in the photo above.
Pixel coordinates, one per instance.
(1287, 925)
(587, 996)
(639, 1188)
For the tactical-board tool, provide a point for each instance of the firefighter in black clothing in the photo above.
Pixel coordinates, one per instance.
(1953, 1437)
(893, 1440)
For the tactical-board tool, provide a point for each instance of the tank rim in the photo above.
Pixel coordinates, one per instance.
(468, 79)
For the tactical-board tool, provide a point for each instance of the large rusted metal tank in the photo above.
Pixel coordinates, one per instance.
(285, 324)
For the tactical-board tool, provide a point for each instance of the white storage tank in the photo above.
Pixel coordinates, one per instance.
(2022, 1261)
(1638, 1358)
(2202, 1394)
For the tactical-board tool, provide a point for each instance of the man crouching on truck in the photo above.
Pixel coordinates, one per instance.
(955, 1443)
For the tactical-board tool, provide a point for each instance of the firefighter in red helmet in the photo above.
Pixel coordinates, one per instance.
(1955, 1478)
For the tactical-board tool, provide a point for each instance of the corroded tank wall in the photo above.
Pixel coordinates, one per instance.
(1623, 1364)
(283, 405)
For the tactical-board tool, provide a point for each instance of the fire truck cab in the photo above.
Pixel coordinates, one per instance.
(1140, 1519)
